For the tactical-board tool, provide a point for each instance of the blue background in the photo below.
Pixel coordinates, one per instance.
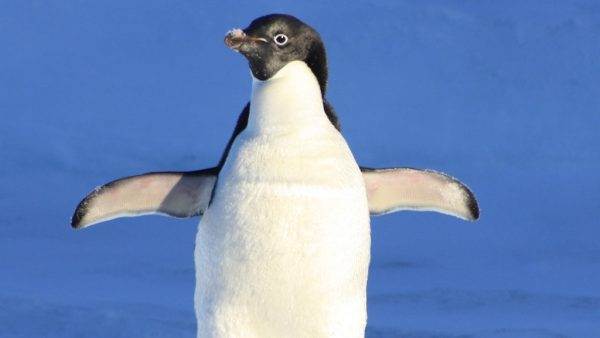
(503, 95)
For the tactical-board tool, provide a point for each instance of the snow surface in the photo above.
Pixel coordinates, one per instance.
(504, 95)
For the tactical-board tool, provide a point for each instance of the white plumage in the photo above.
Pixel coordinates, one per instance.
(283, 250)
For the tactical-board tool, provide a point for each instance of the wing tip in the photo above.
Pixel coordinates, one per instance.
(75, 222)
(78, 219)
(470, 202)
(472, 205)
(79, 214)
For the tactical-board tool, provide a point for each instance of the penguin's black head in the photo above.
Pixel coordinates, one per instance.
(272, 41)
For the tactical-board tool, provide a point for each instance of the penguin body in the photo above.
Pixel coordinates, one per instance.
(290, 209)
(283, 246)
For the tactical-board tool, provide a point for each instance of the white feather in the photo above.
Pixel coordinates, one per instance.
(284, 248)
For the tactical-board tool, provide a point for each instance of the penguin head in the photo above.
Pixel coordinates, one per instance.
(272, 41)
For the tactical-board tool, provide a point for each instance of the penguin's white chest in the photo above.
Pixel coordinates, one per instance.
(283, 250)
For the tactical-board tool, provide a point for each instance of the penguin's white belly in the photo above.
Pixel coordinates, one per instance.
(283, 250)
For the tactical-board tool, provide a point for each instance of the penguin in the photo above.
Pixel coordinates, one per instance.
(283, 244)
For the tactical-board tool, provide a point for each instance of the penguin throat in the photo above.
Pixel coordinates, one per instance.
(291, 99)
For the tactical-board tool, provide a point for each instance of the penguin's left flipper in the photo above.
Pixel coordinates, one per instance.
(177, 194)
(396, 189)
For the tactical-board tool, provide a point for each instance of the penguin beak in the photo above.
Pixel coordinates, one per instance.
(236, 38)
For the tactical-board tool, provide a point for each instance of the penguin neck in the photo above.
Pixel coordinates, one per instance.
(290, 100)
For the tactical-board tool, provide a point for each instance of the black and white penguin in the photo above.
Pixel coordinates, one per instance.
(283, 246)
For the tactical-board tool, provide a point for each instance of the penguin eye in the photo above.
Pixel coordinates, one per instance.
(280, 39)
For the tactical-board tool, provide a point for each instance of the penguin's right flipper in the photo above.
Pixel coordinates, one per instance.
(395, 189)
(177, 194)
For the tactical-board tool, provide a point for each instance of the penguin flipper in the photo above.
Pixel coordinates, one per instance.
(177, 194)
(395, 189)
